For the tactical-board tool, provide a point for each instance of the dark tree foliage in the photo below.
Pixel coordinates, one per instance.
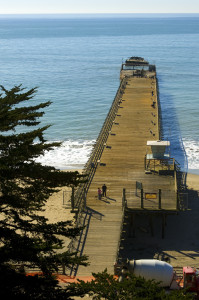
(26, 238)
(106, 286)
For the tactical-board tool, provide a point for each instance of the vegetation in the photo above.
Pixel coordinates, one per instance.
(27, 239)
(106, 286)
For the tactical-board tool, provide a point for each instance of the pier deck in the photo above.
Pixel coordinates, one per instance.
(120, 166)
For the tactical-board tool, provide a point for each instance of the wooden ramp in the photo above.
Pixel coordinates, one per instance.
(120, 166)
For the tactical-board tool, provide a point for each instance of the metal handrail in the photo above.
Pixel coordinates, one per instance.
(92, 163)
(95, 156)
(124, 205)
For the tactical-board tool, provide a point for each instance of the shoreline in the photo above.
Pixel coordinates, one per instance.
(193, 171)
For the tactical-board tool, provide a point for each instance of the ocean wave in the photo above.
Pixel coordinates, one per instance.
(74, 154)
(192, 151)
(71, 155)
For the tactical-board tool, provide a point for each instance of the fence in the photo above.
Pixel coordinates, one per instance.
(183, 201)
(95, 156)
(118, 262)
(182, 197)
(89, 169)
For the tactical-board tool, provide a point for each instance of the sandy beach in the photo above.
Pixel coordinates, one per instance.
(58, 207)
(193, 181)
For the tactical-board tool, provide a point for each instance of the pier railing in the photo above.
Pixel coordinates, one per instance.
(119, 260)
(99, 146)
(76, 244)
(181, 188)
(160, 131)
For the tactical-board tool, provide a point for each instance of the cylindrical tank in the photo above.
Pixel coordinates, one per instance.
(152, 269)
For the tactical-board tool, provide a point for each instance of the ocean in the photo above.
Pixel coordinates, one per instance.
(75, 61)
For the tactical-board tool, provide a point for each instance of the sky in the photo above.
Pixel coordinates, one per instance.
(97, 6)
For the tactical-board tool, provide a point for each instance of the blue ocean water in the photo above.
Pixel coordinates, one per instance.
(75, 63)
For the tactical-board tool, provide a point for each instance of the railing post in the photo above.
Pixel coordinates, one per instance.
(142, 199)
(84, 198)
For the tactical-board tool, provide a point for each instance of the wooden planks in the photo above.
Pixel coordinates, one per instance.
(121, 165)
(123, 160)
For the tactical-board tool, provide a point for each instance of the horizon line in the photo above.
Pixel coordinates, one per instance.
(129, 13)
(99, 14)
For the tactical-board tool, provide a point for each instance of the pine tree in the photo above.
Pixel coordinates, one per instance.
(26, 238)
(106, 286)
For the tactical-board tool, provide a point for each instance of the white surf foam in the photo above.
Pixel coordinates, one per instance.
(74, 154)
(192, 151)
(71, 155)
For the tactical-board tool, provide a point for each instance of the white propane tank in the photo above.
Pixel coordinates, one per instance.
(152, 269)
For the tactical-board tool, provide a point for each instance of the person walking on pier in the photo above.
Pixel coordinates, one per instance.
(104, 188)
(99, 194)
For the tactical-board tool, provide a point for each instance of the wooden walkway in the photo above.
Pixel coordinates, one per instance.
(120, 166)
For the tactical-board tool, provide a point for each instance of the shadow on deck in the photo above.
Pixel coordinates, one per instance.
(144, 240)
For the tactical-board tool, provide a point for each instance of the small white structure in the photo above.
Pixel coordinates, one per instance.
(158, 149)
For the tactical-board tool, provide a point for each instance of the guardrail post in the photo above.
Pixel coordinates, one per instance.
(84, 199)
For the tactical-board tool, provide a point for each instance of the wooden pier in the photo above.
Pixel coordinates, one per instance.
(136, 181)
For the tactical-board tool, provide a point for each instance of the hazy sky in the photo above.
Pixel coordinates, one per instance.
(98, 6)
